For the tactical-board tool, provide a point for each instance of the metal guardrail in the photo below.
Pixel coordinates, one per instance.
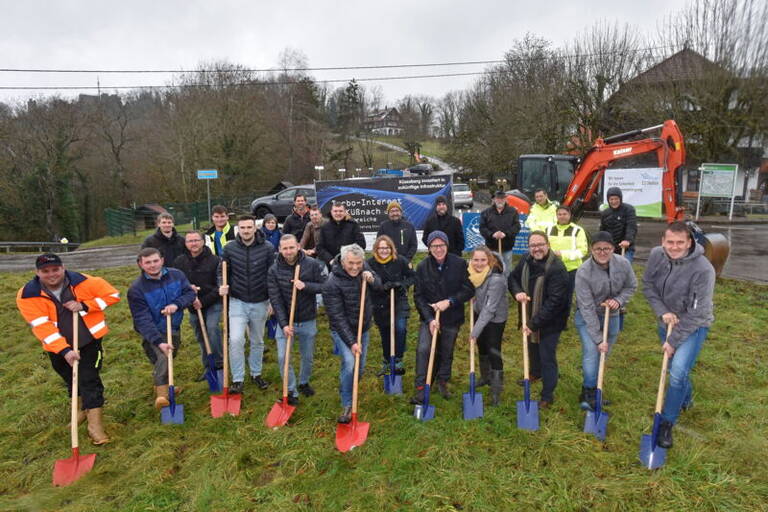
(40, 246)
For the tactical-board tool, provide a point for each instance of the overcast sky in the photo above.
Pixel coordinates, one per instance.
(179, 35)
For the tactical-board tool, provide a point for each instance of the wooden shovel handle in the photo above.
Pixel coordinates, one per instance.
(432, 349)
(662, 378)
(75, 378)
(169, 340)
(359, 344)
(471, 328)
(392, 322)
(203, 329)
(288, 339)
(526, 369)
(601, 369)
(225, 327)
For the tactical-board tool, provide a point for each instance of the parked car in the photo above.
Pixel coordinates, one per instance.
(462, 196)
(421, 169)
(281, 204)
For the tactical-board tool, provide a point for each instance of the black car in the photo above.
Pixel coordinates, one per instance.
(281, 204)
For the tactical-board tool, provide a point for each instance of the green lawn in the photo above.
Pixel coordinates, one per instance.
(429, 147)
(718, 463)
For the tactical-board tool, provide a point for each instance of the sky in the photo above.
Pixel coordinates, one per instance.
(180, 35)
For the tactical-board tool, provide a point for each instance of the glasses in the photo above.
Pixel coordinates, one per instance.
(438, 246)
(602, 249)
(536, 246)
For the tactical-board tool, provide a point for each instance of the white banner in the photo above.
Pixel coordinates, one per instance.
(639, 187)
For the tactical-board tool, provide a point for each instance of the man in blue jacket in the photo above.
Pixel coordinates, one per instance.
(158, 292)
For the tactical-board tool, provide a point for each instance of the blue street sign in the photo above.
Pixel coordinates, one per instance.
(207, 174)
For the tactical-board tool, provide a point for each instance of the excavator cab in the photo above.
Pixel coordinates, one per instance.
(552, 173)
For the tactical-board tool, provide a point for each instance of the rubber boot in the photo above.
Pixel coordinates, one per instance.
(95, 427)
(497, 386)
(485, 371)
(161, 396)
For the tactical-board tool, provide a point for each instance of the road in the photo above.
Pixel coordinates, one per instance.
(85, 259)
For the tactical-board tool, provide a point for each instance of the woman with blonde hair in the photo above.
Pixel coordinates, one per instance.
(396, 274)
(490, 310)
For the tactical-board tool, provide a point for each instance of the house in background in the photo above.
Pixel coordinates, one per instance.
(384, 122)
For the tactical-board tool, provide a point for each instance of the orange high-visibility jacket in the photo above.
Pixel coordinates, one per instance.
(39, 309)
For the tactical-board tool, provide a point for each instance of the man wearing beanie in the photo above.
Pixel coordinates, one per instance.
(442, 284)
(620, 221)
(400, 231)
(441, 220)
(605, 279)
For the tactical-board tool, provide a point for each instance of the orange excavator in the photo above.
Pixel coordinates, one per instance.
(573, 181)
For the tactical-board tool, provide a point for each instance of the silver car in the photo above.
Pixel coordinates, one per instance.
(462, 196)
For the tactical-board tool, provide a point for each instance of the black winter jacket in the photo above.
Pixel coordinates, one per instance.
(341, 295)
(403, 234)
(294, 224)
(396, 274)
(280, 285)
(201, 271)
(508, 222)
(553, 313)
(335, 234)
(247, 267)
(621, 223)
(449, 225)
(433, 285)
(171, 248)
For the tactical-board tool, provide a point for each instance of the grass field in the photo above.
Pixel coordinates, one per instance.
(429, 147)
(719, 462)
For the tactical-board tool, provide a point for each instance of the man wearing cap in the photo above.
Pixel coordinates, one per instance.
(400, 231)
(605, 279)
(159, 292)
(47, 303)
(298, 219)
(166, 239)
(499, 225)
(543, 214)
(620, 220)
(442, 284)
(679, 283)
(441, 220)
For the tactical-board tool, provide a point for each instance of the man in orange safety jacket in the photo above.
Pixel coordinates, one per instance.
(47, 303)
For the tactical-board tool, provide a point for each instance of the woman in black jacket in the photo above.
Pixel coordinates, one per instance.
(396, 274)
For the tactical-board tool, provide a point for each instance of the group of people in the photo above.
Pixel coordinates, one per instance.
(253, 269)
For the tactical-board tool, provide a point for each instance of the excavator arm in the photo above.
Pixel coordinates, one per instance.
(670, 155)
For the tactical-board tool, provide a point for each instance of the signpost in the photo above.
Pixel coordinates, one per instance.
(717, 180)
(208, 175)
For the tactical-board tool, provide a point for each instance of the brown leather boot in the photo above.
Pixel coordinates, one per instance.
(161, 396)
(95, 427)
(80, 411)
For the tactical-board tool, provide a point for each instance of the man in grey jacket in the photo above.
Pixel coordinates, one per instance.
(679, 283)
(604, 280)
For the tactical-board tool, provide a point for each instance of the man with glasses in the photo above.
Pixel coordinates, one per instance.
(605, 279)
(200, 266)
(442, 284)
(540, 278)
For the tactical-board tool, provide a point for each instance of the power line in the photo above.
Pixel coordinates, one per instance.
(292, 82)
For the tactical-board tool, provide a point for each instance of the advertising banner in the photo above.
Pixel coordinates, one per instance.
(639, 187)
(470, 222)
(367, 199)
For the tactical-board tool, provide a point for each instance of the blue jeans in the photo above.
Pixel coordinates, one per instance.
(629, 254)
(401, 324)
(253, 315)
(347, 359)
(680, 389)
(590, 356)
(305, 333)
(212, 316)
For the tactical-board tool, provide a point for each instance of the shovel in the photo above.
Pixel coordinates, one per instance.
(281, 411)
(212, 375)
(527, 409)
(596, 422)
(173, 413)
(225, 403)
(353, 434)
(425, 411)
(651, 454)
(69, 470)
(393, 384)
(473, 402)
(621, 312)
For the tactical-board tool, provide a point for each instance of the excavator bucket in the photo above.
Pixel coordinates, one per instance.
(716, 249)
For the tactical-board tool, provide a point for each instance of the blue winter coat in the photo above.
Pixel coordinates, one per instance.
(147, 297)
